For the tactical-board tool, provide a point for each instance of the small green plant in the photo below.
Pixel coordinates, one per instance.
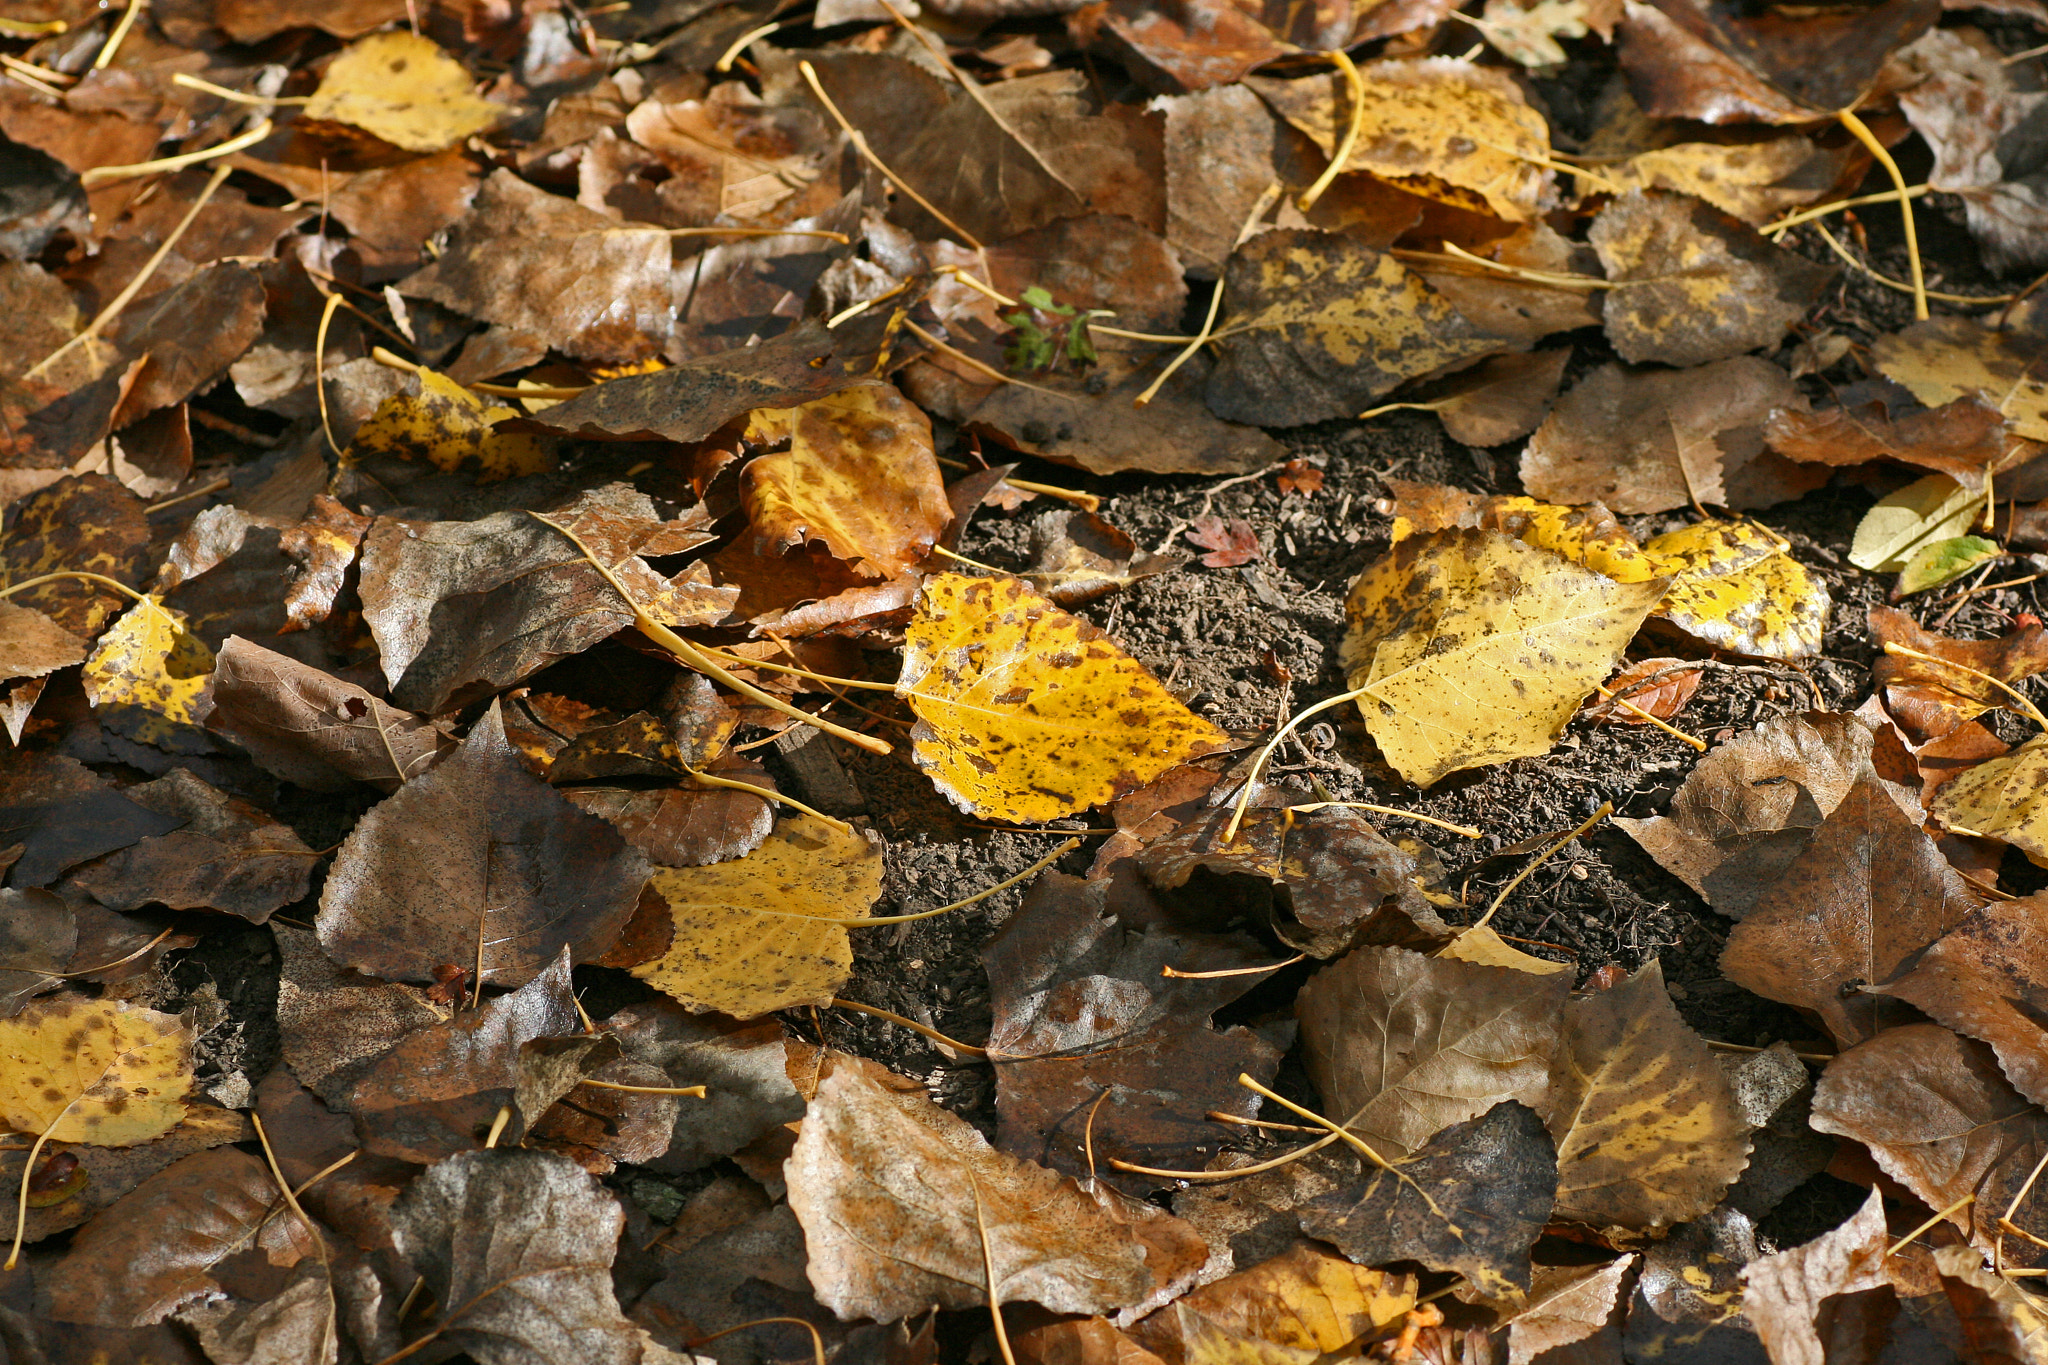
(1049, 332)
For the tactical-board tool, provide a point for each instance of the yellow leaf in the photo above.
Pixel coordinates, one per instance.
(1472, 648)
(860, 475)
(1303, 1305)
(1439, 127)
(148, 659)
(1944, 359)
(1026, 713)
(1897, 525)
(2003, 798)
(97, 1071)
(450, 428)
(1752, 180)
(404, 89)
(1481, 945)
(728, 955)
(1734, 587)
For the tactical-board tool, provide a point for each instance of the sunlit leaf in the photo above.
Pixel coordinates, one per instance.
(450, 428)
(98, 1071)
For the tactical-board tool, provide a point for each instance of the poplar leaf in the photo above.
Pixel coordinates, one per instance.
(404, 89)
(98, 1071)
(450, 428)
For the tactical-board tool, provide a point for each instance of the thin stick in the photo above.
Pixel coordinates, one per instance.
(1745, 1047)
(1553, 278)
(100, 579)
(742, 43)
(1179, 975)
(32, 28)
(1218, 1116)
(793, 670)
(1354, 87)
(1606, 809)
(31, 76)
(860, 144)
(1007, 882)
(695, 1092)
(1088, 1133)
(1356, 1143)
(119, 961)
(1988, 300)
(320, 368)
(498, 1126)
(1793, 220)
(118, 36)
(766, 795)
(1658, 721)
(102, 175)
(2031, 711)
(826, 233)
(221, 92)
(1314, 806)
(204, 490)
(968, 1048)
(1904, 1242)
(1265, 200)
(28, 1168)
(988, 1270)
(1273, 1165)
(1861, 132)
(134, 286)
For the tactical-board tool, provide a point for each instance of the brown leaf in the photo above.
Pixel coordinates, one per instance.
(323, 546)
(688, 825)
(1521, 310)
(1081, 1011)
(63, 814)
(481, 864)
(1078, 557)
(1566, 1305)
(598, 1127)
(1402, 1046)
(1649, 441)
(1503, 398)
(517, 1249)
(1783, 1294)
(1197, 46)
(1964, 439)
(1660, 687)
(226, 855)
(187, 336)
(1866, 893)
(32, 645)
(743, 1067)
(37, 937)
(333, 1022)
(894, 1195)
(1471, 1201)
(1942, 1121)
(1966, 106)
(1985, 979)
(104, 1175)
(83, 521)
(1229, 543)
(313, 729)
(2000, 1320)
(1941, 698)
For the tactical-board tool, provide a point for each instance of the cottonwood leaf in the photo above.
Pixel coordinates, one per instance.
(1987, 978)
(2003, 798)
(743, 1067)
(1733, 586)
(1754, 181)
(98, 1071)
(1566, 1305)
(37, 936)
(1319, 325)
(1481, 945)
(517, 1249)
(104, 1175)
(1471, 1201)
(1027, 713)
(688, 825)
(1999, 1319)
(402, 88)
(1440, 127)
(1941, 697)
(1966, 439)
(1078, 557)
(1943, 359)
(311, 728)
(1941, 1120)
(734, 952)
(1660, 687)
(299, 1324)
(227, 855)
(479, 864)
(333, 1022)
(1783, 1294)
(82, 521)
(1503, 398)
(450, 428)
(1694, 285)
(896, 1195)
(1293, 1309)
(1401, 1046)
(61, 814)
(150, 660)
(1648, 1132)
(859, 476)
(32, 645)
(1944, 561)
(1471, 648)
(1922, 513)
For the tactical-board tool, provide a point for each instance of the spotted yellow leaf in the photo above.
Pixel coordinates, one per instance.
(1470, 648)
(405, 90)
(1306, 1304)
(1027, 713)
(2003, 798)
(97, 1071)
(1734, 586)
(450, 428)
(734, 953)
(149, 660)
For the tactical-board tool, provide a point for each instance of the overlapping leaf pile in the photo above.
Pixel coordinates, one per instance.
(470, 433)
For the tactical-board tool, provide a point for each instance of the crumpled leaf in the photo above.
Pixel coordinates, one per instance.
(1401, 1046)
(313, 729)
(1290, 1310)
(1319, 325)
(1229, 543)
(1648, 1132)
(1441, 127)
(1657, 687)
(98, 1071)
(402, 88)
(1942, 1121)
(1077, 557)
(1997, 1314)
(149, 660)
(895, 1196)
(1944, 359)
(1566, 1305)
(1026, 713)
(450, 428)
(1981, 979)
(1939, 698)
(734, 952)
(227, 855)
(1965, 439)
(1968, 109)
(859, 476)
(32, 645)
(517, 1248)
(1696, 285)
(1471, 1201)
(298, 1324)
(479, 864)
(1783, 1294)
(1754, 181)
(1471, 648)
(744, 1068)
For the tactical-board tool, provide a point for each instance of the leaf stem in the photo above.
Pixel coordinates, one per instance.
(968, 1048)
(1606, 809)
(1356, 1143)
(2031, 711)
(1354, 87)
(765, 794)
(1861, 132)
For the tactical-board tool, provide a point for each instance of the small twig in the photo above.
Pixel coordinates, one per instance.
(946, 348)
(1180, 975)
(103, 175)
(1256, 1168)
(117, 37)
(1793, 220)
(1314, 806)
(221, 92)
(988, 1270)
(1658, 721)
(1352, 1140)
(1861, 132)
(1904, 1242)
(1606, 809)
(766, 794)
(1898, 285)
(695, 1092)
(817, 1342)
(1819, 1057)
(900, 1021)
(1088, 1133)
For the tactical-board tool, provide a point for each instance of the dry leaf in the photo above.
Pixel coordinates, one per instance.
(1026, 713)
(1783, 1294)
(1401, 1046)
(734, 952)
(1471, 648)
(149, 660)
(1648, 1132)
(79, 522)
(32, 645)
(1942, 1121)
(227, 855)
(1968, 107)
(60, 814)
(1657, 687)
(2004, 798)
(1945, 359)
(479, 864)
(103, 1175)
(313, 729)
(1999, 1318)
(1755, 181)
(402, 88)
(1566, 1305)
(98, 1071)
(1078, 557)
(896, 1196)
(1295, 1308)
(1939, 698)
(1229, 543)
(743, 1067)
(333, 1022)
(38, 934)
(1503, 398)
(1981, 979)
(450, 428)
(1965, 439)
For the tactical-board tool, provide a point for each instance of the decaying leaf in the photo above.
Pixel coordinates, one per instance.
(1986, 978)
(1401, 1046)
(101, 1176)
(1566, 1305)
(1471, 648)
(1026, 713)
(1783, 1294)
(149, 660)
(1968, 106)
(479, 864)
(37, 937)
(896, 1196)
(744, 1068)
(82, 521)
(1294, 1308)
(227, 855)
(1935, 697)
(403, 89)
(98, 1071)
(333, 1022)
(1503, 398)
(1966, 439)
(766, 931)
(312, 728)
(1755, 181)
(1654, 687)
(32, 645)
(2002, 1319)
(1944, 359)
(1648, 1132)
(450, 428)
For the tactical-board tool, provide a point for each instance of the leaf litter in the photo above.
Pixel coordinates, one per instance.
(501, 689)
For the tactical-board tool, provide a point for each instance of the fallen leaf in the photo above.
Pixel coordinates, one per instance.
(333, 1022)
(1471, 1201)
(1944, 359)
(1942, 1121)
(1401, 1046)
(1694, 285)
(1503, 398)
(599, 1126)
(300, 1323)
(1943, 697)
(103, 1175)
(1299, 476)
(1229, 543)
(859, 476)
(1650, 441)
(1026, 713)
(742, 1066)
(150, 661)
(1967, 106)
(37, 937)
(1998, 1317)
(402, 88)
(1528, 36)
(1754, 181)
(81, 522)
(1657, 687)
(516, 1248)
(60, 814)
(1983, 979)
(1924, 512)
(32, 645)
(322, 547)
(1735, 587)
(1783, 1295)
(689, 825)
(1471, 648)
(767, 931)
(1944, 561)
(227, 855)
(1205, 46)
(1566, 1305)
(1966, 439)
(2003, 798)
(1520, 310)
(1296, 1307)
(313, 729)
(1078, 557)
(1320, 325)
(1648, 1132)
(450, 428)
(98, 1071)
(900, 1202)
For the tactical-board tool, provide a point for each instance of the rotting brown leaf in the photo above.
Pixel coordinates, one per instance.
(1966, 439)
(226, 855)
(1984, 979)
(103, 1175)
(1934, 698)
(312, 728)
(1783, 1294)
(60, 813)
